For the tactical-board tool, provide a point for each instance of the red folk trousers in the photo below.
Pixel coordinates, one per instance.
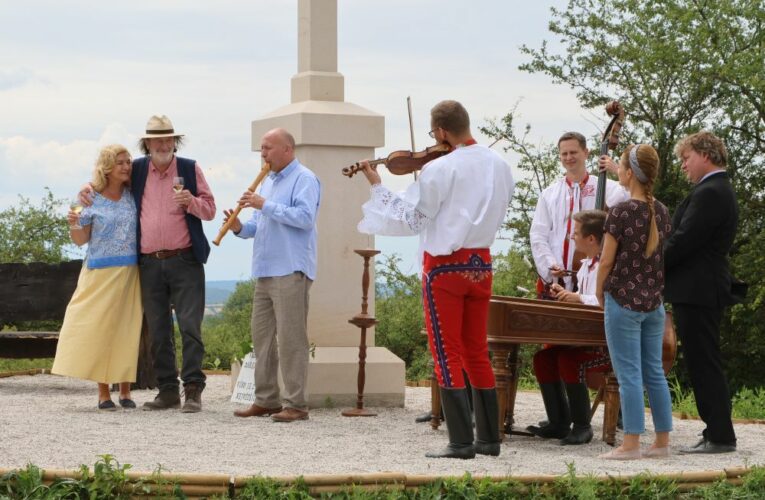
(456, 289)
(569, 364)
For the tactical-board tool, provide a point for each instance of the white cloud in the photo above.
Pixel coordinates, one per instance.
(50, 162)
(91, 74)
(11, 78)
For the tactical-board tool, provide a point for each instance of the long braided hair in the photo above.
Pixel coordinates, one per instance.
(648, 161)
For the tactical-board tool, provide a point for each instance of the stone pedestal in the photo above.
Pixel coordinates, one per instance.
(332, 378)
(331, 134)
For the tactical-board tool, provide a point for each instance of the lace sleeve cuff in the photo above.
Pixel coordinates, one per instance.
(388, 214)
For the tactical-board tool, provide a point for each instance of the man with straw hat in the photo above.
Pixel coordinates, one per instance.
(172, 198)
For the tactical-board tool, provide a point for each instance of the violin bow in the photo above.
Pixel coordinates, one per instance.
(411, 127)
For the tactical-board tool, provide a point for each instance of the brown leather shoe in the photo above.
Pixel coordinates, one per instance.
(256, 411)
(168, 397)
(290, 415)
(193, 401)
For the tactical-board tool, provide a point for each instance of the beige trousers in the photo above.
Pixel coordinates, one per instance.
(279, 335)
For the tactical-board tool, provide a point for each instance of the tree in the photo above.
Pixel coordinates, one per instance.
(398, 307)
(678, 66)
(227, 336)
(540, 165)
(35, 233)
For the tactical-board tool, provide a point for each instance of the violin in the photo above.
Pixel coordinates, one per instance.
(403, 162)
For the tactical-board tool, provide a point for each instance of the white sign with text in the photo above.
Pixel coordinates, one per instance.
(244, 392)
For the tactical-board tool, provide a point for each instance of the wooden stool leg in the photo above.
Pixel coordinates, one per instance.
(611, 409)
(499, 365)
(597, 400)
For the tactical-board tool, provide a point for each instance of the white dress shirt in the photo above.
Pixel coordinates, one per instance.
(586, 277)
(459, 201)
(550, 227)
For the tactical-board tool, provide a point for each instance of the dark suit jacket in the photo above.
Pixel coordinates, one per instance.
(696, 254)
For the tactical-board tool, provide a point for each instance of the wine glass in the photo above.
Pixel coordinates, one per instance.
(177, 184)
(76, 206)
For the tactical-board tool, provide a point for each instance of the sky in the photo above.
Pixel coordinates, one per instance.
(77, 75)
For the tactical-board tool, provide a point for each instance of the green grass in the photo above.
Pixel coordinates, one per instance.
(682, 399)
(12, 365)
(108, 480)
(747, 403)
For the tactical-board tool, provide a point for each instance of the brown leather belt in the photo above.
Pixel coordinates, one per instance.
(166, 254)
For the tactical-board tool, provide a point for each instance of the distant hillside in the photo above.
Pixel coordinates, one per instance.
(217, 292)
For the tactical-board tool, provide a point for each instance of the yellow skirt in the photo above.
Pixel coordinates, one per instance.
(102, 327)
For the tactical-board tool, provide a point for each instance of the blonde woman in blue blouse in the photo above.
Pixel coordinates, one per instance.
(101, 331)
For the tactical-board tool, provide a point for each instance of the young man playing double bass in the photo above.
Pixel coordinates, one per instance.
(553, 225)
(456, 206)
(553, 252)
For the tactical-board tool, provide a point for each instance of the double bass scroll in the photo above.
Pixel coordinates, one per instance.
(610, 141)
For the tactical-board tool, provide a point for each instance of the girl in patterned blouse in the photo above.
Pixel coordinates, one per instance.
(629, 287)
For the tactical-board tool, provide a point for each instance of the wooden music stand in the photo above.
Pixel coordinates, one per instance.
(363, 320)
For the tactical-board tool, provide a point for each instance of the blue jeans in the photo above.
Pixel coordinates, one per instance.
(634, 343)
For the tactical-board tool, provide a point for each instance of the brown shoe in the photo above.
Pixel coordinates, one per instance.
(165, 399)
(290, 415)
(256, 411)
(193, 398)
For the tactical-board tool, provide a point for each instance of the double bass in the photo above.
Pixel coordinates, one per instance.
(610, 141)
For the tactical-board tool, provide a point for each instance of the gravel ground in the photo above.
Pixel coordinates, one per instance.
(52, 422)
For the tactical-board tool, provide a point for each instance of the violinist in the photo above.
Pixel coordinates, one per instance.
(456, 207)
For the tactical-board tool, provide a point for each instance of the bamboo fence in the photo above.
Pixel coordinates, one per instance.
(204, 485)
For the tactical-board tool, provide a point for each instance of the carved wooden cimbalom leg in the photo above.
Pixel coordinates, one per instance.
(611, 409)
(514, 369)
(363, 320)
(435, 402)
(499, 355)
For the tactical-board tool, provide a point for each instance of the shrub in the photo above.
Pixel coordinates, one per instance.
(227, 336)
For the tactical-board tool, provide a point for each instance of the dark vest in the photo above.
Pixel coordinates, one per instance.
(186, 169)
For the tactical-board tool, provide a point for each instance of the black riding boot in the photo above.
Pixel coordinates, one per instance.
(556, 406)
(456, 406)
(579, 403)
(486, 421)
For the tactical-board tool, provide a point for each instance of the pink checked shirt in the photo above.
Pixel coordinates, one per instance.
(163, 223)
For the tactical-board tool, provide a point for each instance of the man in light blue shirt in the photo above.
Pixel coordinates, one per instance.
(284, 266)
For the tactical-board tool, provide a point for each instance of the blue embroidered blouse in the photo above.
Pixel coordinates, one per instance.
(113, 232)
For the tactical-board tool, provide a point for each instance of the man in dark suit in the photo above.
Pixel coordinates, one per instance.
(698, 281)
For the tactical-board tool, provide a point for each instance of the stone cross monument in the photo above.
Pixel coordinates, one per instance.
(331, 134)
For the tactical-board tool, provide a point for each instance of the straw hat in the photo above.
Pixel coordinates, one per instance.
(160, 126)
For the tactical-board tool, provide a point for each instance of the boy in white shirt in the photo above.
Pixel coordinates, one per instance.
(557, 366)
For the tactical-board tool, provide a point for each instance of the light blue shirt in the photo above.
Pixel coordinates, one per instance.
(285, 229)
(113, 232)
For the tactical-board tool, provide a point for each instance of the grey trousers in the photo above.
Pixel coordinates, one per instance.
(279, 334)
